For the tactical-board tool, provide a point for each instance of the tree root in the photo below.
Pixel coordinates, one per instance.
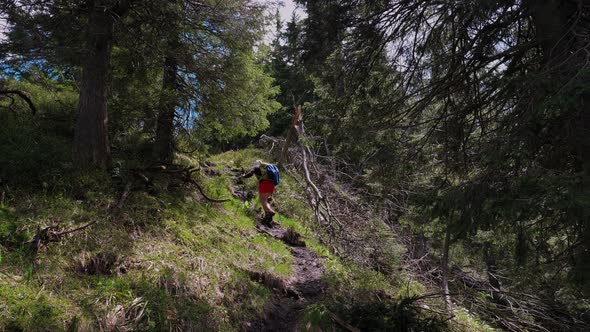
(22, 95)
(182, 172)
(214, 200)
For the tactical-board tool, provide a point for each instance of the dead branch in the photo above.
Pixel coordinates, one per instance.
(343, 323)
(291, 136)
(508, 310)
(60, 234)
(333, 205)
(8, 276)
(307, 176)
(53, 234)
(124, 195)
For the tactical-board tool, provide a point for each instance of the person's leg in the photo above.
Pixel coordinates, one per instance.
(265, 204)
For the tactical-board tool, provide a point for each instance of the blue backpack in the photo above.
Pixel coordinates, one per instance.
(272, 172)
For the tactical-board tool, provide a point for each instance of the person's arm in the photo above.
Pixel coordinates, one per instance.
(249, 174)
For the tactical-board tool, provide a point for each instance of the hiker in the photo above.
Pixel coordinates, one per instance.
(268, 177)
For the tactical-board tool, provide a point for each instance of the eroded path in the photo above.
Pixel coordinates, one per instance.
(304, 287)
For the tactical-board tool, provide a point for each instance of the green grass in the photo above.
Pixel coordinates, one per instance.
(27, 308)
(185, 262)
(465, 321)
(180, 259)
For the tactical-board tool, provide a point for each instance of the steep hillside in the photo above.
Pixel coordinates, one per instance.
(165, 258)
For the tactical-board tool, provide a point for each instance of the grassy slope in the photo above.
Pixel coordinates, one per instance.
(179, 261)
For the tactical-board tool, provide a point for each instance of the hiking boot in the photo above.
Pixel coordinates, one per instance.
(267, 220)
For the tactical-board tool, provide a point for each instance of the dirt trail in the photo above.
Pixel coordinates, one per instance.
(305, 286)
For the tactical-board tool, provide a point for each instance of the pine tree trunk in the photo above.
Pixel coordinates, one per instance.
(163, 146)
(91, 140)
(445, 271)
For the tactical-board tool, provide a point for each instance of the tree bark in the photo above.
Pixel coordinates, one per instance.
(445, 271)
(164, 143)
(91, 140)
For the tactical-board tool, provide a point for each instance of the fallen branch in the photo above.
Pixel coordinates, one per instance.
(9, 277)
(343, 323)
(507, 313)
(307, 177)
(125, 194)
(53, 234)
(60, 234)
